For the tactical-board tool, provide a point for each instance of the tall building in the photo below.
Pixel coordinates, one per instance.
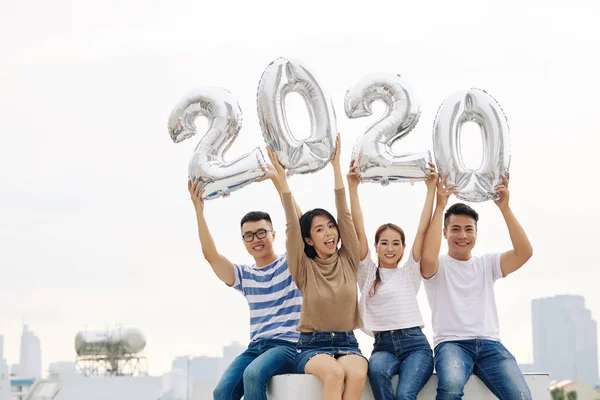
(180, 363)
(229, 354)
(4, 374)
(30, 365)
(204, 368)
(199, 368)
(565, 341)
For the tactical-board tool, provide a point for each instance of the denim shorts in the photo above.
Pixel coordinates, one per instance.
(335, 344)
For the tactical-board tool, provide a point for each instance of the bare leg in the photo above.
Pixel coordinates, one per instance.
(355, 374)
(327, 369)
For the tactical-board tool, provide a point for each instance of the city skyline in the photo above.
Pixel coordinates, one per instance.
(199, 362)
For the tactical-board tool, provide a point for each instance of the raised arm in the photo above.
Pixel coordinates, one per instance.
(425, 219)
(433, 237)
(294, 242)
(222, 267)
(272, 175)
(347, 231)
(512, 260)
(356, 210)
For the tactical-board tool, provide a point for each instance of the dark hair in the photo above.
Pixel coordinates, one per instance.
(305, 224)
(460, 209)
(378, 233)
(256, 216)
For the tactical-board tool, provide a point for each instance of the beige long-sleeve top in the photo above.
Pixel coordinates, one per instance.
(330, 298)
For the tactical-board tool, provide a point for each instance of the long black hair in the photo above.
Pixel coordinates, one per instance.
(305, 224)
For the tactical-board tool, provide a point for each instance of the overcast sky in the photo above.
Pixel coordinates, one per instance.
(96, 225)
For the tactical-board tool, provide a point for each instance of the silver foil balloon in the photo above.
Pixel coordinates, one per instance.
(208, 166)
(372, 152)
(312, 154)
(477, 106)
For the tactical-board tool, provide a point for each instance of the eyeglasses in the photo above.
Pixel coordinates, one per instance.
(260, 234)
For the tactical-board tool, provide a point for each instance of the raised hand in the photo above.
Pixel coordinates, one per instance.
(444, 192)
(433, 178)
(196, 195)
(335, 161)
(276, 165)
(271, 174)
(503, 192)
(352, 176)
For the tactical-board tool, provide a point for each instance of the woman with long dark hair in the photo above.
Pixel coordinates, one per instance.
(388, 303)
(326, 276)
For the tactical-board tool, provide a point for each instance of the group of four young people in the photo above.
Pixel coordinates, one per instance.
(304, 304)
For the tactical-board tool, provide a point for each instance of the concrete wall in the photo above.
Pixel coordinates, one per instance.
(292, 387)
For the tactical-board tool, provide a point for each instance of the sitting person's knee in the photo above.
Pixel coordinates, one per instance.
(252, 375)
(451, 383)
(221, 392)
(356, 374)
(334, 375)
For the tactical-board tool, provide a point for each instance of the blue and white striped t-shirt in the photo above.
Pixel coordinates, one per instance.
(273, 297)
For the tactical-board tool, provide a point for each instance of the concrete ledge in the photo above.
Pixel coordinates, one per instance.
(297, 387)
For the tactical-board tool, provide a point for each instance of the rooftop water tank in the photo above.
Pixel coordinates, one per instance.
(115, 342)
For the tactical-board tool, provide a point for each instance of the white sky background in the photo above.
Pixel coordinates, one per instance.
(96, 225)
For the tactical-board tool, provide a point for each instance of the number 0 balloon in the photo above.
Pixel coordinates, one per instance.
(281, 77)
(217, 176)
(477, 106)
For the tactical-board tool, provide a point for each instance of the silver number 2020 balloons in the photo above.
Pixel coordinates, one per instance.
(477, 106)
(310, 155)
(373, 153)
(207, 166)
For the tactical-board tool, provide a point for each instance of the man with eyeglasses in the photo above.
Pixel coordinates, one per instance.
(274, 300)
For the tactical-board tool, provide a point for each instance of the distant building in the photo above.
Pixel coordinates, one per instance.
(61, 368)
(205, 368)
(80, 387)
(565, 339)
(180, 363)
(229, 354)
(19, 388)
(30, 365)
(4, 373)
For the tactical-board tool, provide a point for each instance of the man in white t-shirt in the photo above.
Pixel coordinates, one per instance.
(460, 290)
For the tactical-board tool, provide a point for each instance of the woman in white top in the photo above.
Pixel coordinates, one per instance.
(388, 303)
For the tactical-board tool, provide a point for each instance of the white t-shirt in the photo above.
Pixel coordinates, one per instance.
(461, 298)
(394, 305)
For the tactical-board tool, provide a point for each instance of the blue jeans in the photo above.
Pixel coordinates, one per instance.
(488, 359)
(405, 352)
(249, 373)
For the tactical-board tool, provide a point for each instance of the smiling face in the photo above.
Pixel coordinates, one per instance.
(261, 244)
(324, 236)
(390, 248)
(461, 234)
